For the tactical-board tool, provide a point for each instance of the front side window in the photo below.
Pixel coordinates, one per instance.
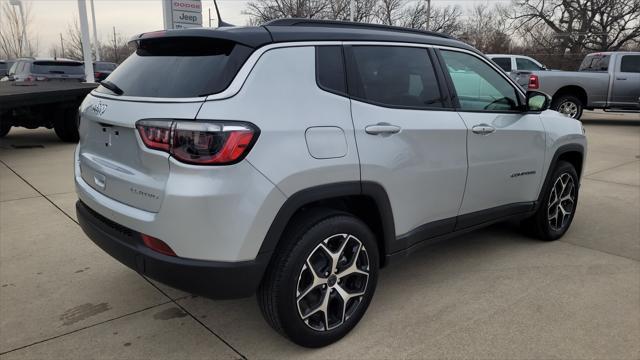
(394, 76)
(526, 64)
(630, 64)
(504, 63)
(479, 87)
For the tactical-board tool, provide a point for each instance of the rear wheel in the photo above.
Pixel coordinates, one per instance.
(322, 280)
(555, 214)
(568, 105)
(66, 125)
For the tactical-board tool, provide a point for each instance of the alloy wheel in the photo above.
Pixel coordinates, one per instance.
(561, 202)
(332, 282)
(568, 108)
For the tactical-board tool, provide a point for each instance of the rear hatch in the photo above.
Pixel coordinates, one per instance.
(164, 80)
(57, 70)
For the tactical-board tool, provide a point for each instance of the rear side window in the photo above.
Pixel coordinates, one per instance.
(597, 62)
(630, 64)
(504, 63)
(176, 67)
(57, 67)
(394, 76)
(330, 73)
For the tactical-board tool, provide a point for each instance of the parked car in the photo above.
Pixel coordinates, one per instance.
(297, 158)
(31, 69)
(606, 80)
(5, 65)
(512, 64)
(102, 69)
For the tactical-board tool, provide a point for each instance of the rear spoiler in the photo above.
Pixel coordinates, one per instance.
(253, 37)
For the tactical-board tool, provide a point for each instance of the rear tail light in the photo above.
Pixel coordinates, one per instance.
(97, 74)
(199, 142)
(155, 134)
(157, 245)
(534, 82)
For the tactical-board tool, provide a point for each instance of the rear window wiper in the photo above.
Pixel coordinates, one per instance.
(111, 86)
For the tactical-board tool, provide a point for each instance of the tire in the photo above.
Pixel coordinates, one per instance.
(553, 217)
(568, 105)
(289, 290)
(4, 130)
(66, 126)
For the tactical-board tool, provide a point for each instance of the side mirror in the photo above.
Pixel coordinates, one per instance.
(537, 101)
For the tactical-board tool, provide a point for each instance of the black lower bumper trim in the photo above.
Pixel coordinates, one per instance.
(213, 279)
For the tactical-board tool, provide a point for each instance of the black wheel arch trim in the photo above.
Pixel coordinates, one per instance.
(295, 202)
(567, 148)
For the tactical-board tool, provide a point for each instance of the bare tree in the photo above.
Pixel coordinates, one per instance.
(265, 10)
(11, 30)
(579, 25)
(340, 10)
(486, 29)
(389, 12)
(446, 19)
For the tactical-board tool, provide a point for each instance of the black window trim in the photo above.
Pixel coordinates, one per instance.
(443, 68)
(350, 68)
(344, 67)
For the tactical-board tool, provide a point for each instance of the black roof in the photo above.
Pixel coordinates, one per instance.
(289, 30)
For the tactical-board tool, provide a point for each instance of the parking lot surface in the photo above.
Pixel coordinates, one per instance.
(490, 294)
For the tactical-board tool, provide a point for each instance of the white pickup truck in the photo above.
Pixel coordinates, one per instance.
(605, 80)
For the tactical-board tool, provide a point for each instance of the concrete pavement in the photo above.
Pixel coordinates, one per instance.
(490, 294)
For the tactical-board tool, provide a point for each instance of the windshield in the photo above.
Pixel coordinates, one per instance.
(57, 67)
(177, 67)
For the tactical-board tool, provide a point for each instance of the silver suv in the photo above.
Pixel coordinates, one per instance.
(297, 158)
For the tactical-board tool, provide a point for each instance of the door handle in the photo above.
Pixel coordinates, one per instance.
(383, 129)
(621, 78)
(483, 129)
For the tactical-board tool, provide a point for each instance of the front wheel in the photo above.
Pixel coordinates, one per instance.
(321, 282)
(555, 214)
(568, 105)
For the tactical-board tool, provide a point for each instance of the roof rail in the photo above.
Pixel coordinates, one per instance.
(350, 24)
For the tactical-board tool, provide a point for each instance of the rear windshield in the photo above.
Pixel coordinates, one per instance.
(597, 62)
(57, 67)
(104, 66)
(179, 67)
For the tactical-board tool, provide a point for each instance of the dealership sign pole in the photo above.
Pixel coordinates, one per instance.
(84, 38)
(182, 14)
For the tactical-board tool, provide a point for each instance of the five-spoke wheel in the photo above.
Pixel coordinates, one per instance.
(561, 202)
(332, 282)
(322, 278)
(558, 204)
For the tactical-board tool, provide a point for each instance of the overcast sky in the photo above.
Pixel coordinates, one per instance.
(52, 17)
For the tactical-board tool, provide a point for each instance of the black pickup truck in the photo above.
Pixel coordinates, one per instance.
(52, 104)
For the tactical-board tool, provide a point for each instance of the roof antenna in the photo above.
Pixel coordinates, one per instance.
(221, 23)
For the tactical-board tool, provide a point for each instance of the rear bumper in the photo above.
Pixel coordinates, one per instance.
(213, 279)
